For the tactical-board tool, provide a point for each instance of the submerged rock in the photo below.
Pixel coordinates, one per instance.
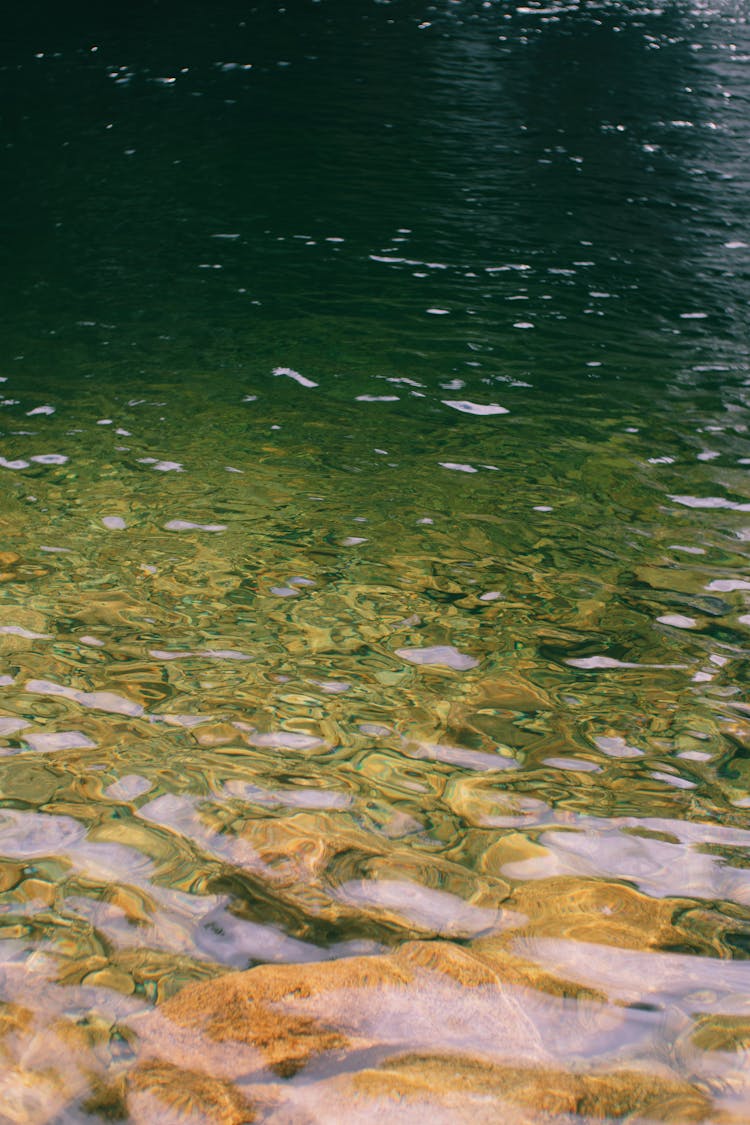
(434, 1031)
(171, 1096)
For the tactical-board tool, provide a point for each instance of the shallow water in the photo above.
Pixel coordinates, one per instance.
(375, 508)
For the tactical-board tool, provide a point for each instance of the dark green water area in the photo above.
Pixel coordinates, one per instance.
(374, 585)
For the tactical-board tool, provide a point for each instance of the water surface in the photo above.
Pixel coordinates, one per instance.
(375, 509)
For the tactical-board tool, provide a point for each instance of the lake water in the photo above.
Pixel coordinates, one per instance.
(374, 519)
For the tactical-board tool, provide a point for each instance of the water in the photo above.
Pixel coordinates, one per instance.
(375, 508)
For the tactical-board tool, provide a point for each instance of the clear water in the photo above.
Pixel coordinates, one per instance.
(375, 508)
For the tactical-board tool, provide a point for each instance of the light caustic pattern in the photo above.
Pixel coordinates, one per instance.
(237, 734)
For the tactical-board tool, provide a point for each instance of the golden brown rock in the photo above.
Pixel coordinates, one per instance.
(722, 1033)
(10, 874)
(595, 910)
(239, 1021)
(39, 890)
(110, 977)
(461, 1082)
(44, 1069)
(510, 692)
(463, 1032)
(281, 1018)
(168, 1094)
(14, 1020)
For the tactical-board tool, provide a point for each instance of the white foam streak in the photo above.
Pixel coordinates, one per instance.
(292, 374)
(467, 407)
